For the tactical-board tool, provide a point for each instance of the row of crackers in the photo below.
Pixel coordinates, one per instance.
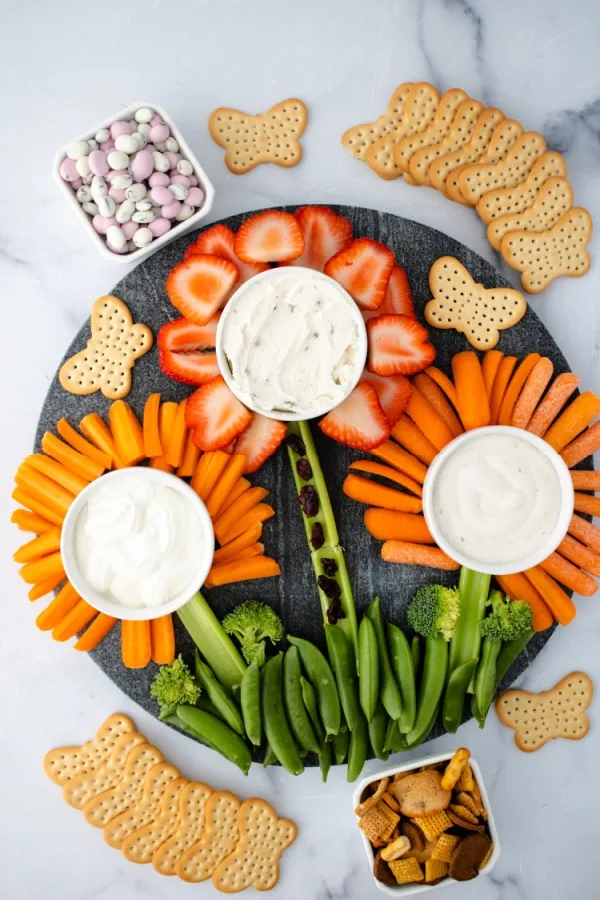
(476, 156)
(150, 812)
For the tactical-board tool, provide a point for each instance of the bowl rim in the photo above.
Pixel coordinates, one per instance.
(102, 604)
(181, 227)
(523, 562)
(303, 271)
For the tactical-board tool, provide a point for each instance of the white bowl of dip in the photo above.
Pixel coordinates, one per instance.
(291, 343)
(498, 499)
(137, 543)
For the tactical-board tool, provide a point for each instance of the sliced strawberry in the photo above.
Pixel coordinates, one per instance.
(188, 368)
(182, 336)
(186, 351)
(359, 421)
(325, 234)
(260, 441)
(219, 241)
(398, 298)
(215, 415)
(270, 236)
(398, 345)
(393, 391)
(201, 285)
(363, 268)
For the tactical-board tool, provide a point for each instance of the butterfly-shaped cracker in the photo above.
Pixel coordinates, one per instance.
(270, 137)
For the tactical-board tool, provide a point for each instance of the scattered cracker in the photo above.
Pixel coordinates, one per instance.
(435, 870)
(147, 807)
(477, 179)
(460, 133)
(404, 149)
(251, 140)
(193, 802)
(516, 199)
(141, 846)
(379, 822)
(421, 106)
(553, 200)
(359, 138)
(100, 810)
(64, 763)
(105, 364)
(505, 136)
(78, 790)
(406, 871)
(219, 838)
(445, 847)
(433, 825)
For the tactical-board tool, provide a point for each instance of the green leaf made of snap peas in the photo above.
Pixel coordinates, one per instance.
(310, 702)
(275, 723)
(402, 662)
(458, 682)
(221, 700)
(358, 749)
(216, 733)
(322, 679)
(388, 686)
(250, 703)
(433, 679)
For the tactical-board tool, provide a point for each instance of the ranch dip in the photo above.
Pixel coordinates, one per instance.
(291, 342)
(496, 498)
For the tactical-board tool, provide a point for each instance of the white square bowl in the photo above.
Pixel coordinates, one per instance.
(180, 228)
(406, 890)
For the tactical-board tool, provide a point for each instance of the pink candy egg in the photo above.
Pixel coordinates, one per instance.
(195, 197)
(107, 145)
(158, 179)
(159, 227)
(161, 195)
(171, 209)
(181, 179)
(117, 195)
(118, 128)
(68, 170)
(114, 172)
(193, 180)
(98, 163)
(76, 184)
(172, 157)
(159, 133)
(142, 165)
(156, 120)
(102, 224)
(130, 228)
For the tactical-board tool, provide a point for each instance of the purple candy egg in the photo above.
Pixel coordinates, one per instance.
(142, 165)
(68, 170)
(161, 195)
(129, 229)
(195, 197)
(98, 162)
(171, 209)
(159, 227)
(118, 128)
(158, 179)
(159, 133)
(102, 224)
(181, 179)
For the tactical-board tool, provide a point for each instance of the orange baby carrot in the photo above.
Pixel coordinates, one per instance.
(244, 570)
(97, 431)
(74, 621)
(250, 552)
(417, 555)
(515, 386)
(82, 465)
(150, 429)
(373, 468)
(230, 551)
(127, 432)
(230, 475)
(584, 445)
(42, 545)
(505, 370)
(571, 576)
(46, 586)
(436, 397)
(160, 462)
(79, 443)
(560, 604)
(42, 568)
(519, 588)
(489, 369)
(26, 520)
(405, 462)
(391, 525)
(96, 632)
(584, 480)
(430, 422)
(584, 503)
(176, 439)
(257, 514)
(443, 382)
(34, 504)
(57, 472)
(66, 599)
(537, 382)
(559, 392)
(208, 472)
(166, 422)
(410, 436)
(473, 404)
(191, 455)
(163, 640)
(576, 417)
(374, 494)
(49, 493)
(580, 555)
(240, 487)
(227, 520)
(585, 532)
(136, 644)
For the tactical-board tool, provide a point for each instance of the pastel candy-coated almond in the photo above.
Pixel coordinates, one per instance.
(118, 128)
(117, 194)
(142, 165)
(83, 166)
(142, 237)
(156, 120)
(77, 149)
(184, 213)
(161, 163)
(130, 228)
(195, 196)
(106, 206)
(108, 145)
(194, 181)
(115, 238)
(98, 162)
(185, 180)
(158, 179)
(159, 227)
(161, 195)
(173, 158)
(102, 224)
(68, 170)
(184, 167)
(136, 192)
(102, 135)
(159, 132)
(126, 143)
(171, 210)
(117, 159)
(179, 191)
(144, 115)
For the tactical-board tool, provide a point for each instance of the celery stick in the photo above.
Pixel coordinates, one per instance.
(214, 644)
(473, 588)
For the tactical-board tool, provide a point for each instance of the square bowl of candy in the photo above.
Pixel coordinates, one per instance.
(427, 824)
(134, 182)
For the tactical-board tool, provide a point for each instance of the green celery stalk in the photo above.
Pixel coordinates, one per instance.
(473, 588)
(214, 644)
(331, 548)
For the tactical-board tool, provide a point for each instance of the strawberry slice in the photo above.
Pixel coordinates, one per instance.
(260, 441)
(393, 391)
(186, 351)
(201, 285)
(270, 236)
(398, 298)
(215, 415)
(359, 421)
(325, 234)
(219, 241)
(398, 345)
(363, 268)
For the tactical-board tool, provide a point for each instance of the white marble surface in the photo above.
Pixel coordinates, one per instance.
(63, 66)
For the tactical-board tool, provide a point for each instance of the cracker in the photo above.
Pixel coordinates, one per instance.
(359, 138)
(454, 768)
(468, 856)
(251, 140)
(105, 364)
(255, 860)
(220, 835)
(471, 151)
(379, 822)
(460, 133)
(421, 105)
(141, 846)
(433, 825)
(421, 794)
(192, 811)
(502, 201)
(107, 805)
(551, 203)
(477, 312)
(404, 149)
(550, 254)
(78, 790)
(477, 179)
(469, 803)
(147, 807)
(64, 763)
(486, 858)
(464, 823)
(435, 870)
(538, 718)
(505, 135)
(406, 871)
(466, 782)
(476, 794)
(459, 810)
(445, 847)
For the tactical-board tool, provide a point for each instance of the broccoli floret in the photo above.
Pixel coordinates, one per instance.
(434, 611)
(174, 684)
(252, 622)
(508, 619)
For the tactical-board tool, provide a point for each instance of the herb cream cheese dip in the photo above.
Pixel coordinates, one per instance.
(291, 341)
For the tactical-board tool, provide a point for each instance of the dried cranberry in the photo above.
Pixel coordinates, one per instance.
(330, 587)
(304, 469)
(317, 538)
(295, 443)
(329, 566)
(309, 501)
(335, 612)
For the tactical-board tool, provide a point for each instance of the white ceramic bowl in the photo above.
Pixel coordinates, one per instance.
(98, 601)
(405, 890)
(353, 310)
(178, 229)
(524, 562)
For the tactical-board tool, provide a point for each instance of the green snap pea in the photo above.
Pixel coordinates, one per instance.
(176, 722)
(368, 668)
(275, 722)
(454, 698)
(401, 660)
(388, 686)
(297, 715)
(322, 679)
(433, 678)
(270, 757)
(310, 701)
(378, 730)
(510, 651)
(485, 680)
(340, 747)
(415, 649)
(204, 703)
(358, 749)
(343, 663)
(250, 702)
(395, 741)
(218, 696)
(219, 735)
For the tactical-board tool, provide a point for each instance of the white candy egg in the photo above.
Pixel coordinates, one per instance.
(83, 166)
(92, 144)
(84, 194)
(125, 211)
(102, 135)
(143, 217)
(99, 187)
(117, 159)
(184, 213)
(106, 206)
(90, 208)
(126, 143)
(179, 191)
(122, 182)
(76, 149)
(144, 205)
(144, 114)
(115, 237)
(184, 167)
(136, 192)
(172, 144)
(141, 139)
(161, 163)
(144, 128)
(142, 237)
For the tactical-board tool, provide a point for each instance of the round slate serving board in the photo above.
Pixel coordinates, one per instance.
(294, 594)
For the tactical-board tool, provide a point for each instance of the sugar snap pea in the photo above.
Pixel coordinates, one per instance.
(458, 682)
(277, 729)
(297, 715)
(368, 667)
(510, 651)
(204, 703)
(310, 701)
(388, 686)
(435, 666)
(270, 757)
(322, 679)
(218, 734)
(343, 663)
(340, 745)
(378, 730)
(250, 702)
(401, 661)
(218, 696)
(395, 741)
(358, 749)
(415, 649)
(178, 723)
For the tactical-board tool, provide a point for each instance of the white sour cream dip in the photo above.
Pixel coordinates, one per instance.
(497, 498)
(291, 341)
(137, 542)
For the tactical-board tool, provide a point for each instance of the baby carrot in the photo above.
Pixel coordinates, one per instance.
(57, 472)
(97, 431)
(571, 576)
(176, 440)
(430, 422)
(244, 504)
(224, 485)
(405, 462)
(30, 521)
(244, 570)
(585, 532)
(191, 455)
(489, 369)
(152, 443)
(163, 640)
(580, 555)
(436, 397)
(75, 620)
(410, 436)
(79, 443)
(443, 382)
(584, 480)
(417, 555)
(136, 643)
(42, 568)
(42, 545)
(373, 468)
(559, 392)
(505, 370)
(473, 405)
(230, 551)
(37, 506)
(392, 525)
(584, 503)
(584, 445)
(96, 632)
(576, 417)
(46, 586)
(560, 604)
(127, 433)
(537, 382)
(374, 494)
(515, 386)
(519, 588)
(66, 599)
